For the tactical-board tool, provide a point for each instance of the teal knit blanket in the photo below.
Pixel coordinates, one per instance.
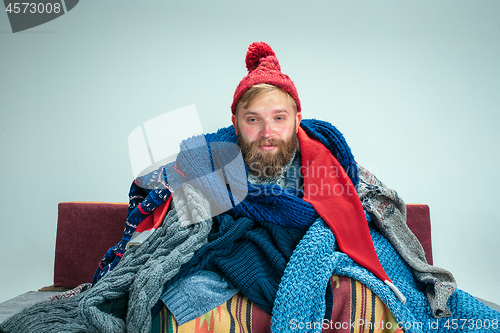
(300, 301)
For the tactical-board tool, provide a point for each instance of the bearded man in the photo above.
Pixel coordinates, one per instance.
(317, 244)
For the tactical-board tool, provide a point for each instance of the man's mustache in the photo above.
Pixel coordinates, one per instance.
(267, 142)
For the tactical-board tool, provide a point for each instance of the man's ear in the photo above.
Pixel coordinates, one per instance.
(298, 119)
(234, 121)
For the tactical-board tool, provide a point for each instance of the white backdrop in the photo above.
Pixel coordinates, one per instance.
(414, 87)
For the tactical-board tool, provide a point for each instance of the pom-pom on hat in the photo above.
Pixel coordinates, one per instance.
(263, 67)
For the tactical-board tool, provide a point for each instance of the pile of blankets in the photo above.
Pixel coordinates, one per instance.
(293, 274)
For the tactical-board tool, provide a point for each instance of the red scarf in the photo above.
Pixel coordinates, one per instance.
(329, 190)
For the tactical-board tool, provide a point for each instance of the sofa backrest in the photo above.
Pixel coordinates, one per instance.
(86, 230)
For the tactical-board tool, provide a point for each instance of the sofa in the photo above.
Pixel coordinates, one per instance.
(86, 230)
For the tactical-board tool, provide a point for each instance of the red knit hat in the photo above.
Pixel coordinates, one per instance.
(263, 67)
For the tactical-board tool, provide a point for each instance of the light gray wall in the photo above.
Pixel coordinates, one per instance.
(414, 86)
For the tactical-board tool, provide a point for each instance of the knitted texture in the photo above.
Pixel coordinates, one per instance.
(389, 212)
(271, 203)
(57, 316)
(146, 194)
(334, 140)
(263, 67)
(261, 200)
(196, 294)
(122, 300)
(300, 298)
(264, 247)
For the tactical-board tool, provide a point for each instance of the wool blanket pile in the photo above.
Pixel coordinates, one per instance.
(129, 282)
(323, 147)
(324, 152)
(200, 156)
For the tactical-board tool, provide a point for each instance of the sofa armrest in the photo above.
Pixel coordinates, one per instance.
(85, 231)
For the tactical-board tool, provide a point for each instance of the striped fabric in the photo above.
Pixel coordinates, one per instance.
(355, 309)
(238, 315)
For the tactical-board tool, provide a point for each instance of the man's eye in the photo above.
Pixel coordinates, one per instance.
(280, 118)
(252, 120)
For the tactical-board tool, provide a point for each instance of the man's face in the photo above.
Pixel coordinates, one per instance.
(267, 133)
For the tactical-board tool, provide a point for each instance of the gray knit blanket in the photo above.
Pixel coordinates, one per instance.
(132, 289)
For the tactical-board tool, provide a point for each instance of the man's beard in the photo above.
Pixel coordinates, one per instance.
(267, 164)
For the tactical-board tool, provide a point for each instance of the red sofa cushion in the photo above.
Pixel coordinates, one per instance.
(86, 230)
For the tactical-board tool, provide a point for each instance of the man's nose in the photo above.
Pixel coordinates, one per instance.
(267, 130)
